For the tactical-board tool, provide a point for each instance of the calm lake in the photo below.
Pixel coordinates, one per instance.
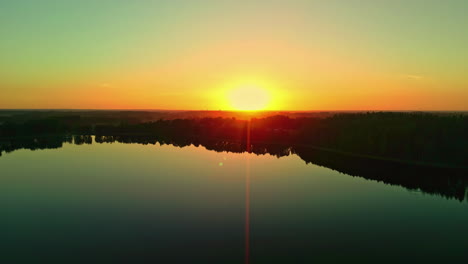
(135, 203)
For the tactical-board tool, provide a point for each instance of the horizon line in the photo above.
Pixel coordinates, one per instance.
(220, 110)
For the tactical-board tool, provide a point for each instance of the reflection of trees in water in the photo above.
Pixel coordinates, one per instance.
(448, 183)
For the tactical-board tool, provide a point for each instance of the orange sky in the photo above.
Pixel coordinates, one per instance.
(325, 55)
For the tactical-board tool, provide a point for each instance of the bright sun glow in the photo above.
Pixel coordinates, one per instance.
(249, 98)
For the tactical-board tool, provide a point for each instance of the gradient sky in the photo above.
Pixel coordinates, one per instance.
(182, 54)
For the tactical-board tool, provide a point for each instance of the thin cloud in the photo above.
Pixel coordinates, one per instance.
(105, 85)
(413, 77)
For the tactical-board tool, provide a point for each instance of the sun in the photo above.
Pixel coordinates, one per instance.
(249, 98)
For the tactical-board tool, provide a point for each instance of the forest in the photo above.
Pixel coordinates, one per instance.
(416, 138)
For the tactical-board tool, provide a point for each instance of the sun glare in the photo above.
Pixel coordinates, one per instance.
(249, 98)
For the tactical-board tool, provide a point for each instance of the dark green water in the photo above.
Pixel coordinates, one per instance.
(131, 203)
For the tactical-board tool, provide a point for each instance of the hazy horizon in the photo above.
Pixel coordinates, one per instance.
(220, 110)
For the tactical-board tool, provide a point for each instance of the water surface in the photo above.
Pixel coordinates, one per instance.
(137, 203)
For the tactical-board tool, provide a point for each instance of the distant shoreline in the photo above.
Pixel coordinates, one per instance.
(334, 151)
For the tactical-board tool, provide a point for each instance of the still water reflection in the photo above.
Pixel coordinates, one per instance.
(134, 203)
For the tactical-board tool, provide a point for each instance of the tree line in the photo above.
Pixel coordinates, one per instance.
(438, 140)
